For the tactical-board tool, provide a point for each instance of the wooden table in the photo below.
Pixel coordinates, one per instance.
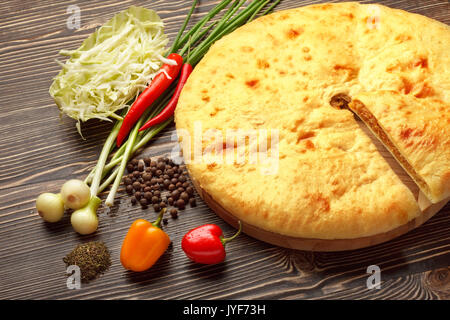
(38, 152)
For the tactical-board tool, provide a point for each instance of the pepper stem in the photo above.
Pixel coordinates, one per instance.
(157, 222)
(225, 240)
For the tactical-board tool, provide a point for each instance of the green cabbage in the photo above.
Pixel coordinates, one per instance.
(112, 65)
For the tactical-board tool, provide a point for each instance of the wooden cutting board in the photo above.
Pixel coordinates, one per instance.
(428, 210)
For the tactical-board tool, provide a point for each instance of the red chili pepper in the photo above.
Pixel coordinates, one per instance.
(168, 111)
(158, 85)
(206, 244)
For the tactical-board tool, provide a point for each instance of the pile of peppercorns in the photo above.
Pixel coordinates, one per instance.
(148, 179)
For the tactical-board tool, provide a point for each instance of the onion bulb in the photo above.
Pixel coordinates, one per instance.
(50, 207)
(84, 220)
(75, 194)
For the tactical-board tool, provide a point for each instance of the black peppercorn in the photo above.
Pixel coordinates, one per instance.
(175, 194)
(155, 187)
(170, 201)
(181, 204)
(192, 202)
(166, 183)
(161, 166)
(148, 196)
(155, 199)
(171, 187)
(184, 196)
(174, 213)
(136, 185)
(130, 168)
(127, 181)
(129, 189)
(190, 190)
(143, 202)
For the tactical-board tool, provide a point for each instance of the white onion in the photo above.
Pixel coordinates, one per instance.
(75, 194)
(50, 207)
(84, 220)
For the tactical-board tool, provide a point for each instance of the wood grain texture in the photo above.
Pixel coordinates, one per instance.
(38, 152)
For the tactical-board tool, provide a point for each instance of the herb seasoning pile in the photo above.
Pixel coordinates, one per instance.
(93, 258)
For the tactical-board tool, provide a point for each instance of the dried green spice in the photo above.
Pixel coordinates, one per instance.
(93, 258)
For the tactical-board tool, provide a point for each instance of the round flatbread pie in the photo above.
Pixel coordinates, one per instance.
(298, 163)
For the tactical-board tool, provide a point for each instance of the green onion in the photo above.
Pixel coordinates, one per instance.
(175, 44)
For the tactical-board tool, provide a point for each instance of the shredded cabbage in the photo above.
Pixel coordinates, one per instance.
(112, 65)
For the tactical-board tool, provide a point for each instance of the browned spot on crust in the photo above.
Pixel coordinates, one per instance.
(229, 75)
(406, 86)
(321, 201)
(262, 64)
(274, 40)
(425, 91)
(294, 33)
(282, 72)
(324, 6)
(297, 123)
(247, 49)
(305, 49)
(284, 16)
(348, 15)
(403, 37)
(352, 73)
(307, 57)
(408, 134)
(205, 98)
(306, 135)
(252, 83)
(310, 145)
(421, 62)
(211, 166)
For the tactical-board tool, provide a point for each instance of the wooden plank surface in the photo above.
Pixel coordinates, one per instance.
(38, 153)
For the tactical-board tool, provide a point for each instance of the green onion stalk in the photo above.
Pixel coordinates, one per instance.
(192, 45)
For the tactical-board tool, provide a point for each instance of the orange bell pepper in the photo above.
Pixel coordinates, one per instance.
(144, 243)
